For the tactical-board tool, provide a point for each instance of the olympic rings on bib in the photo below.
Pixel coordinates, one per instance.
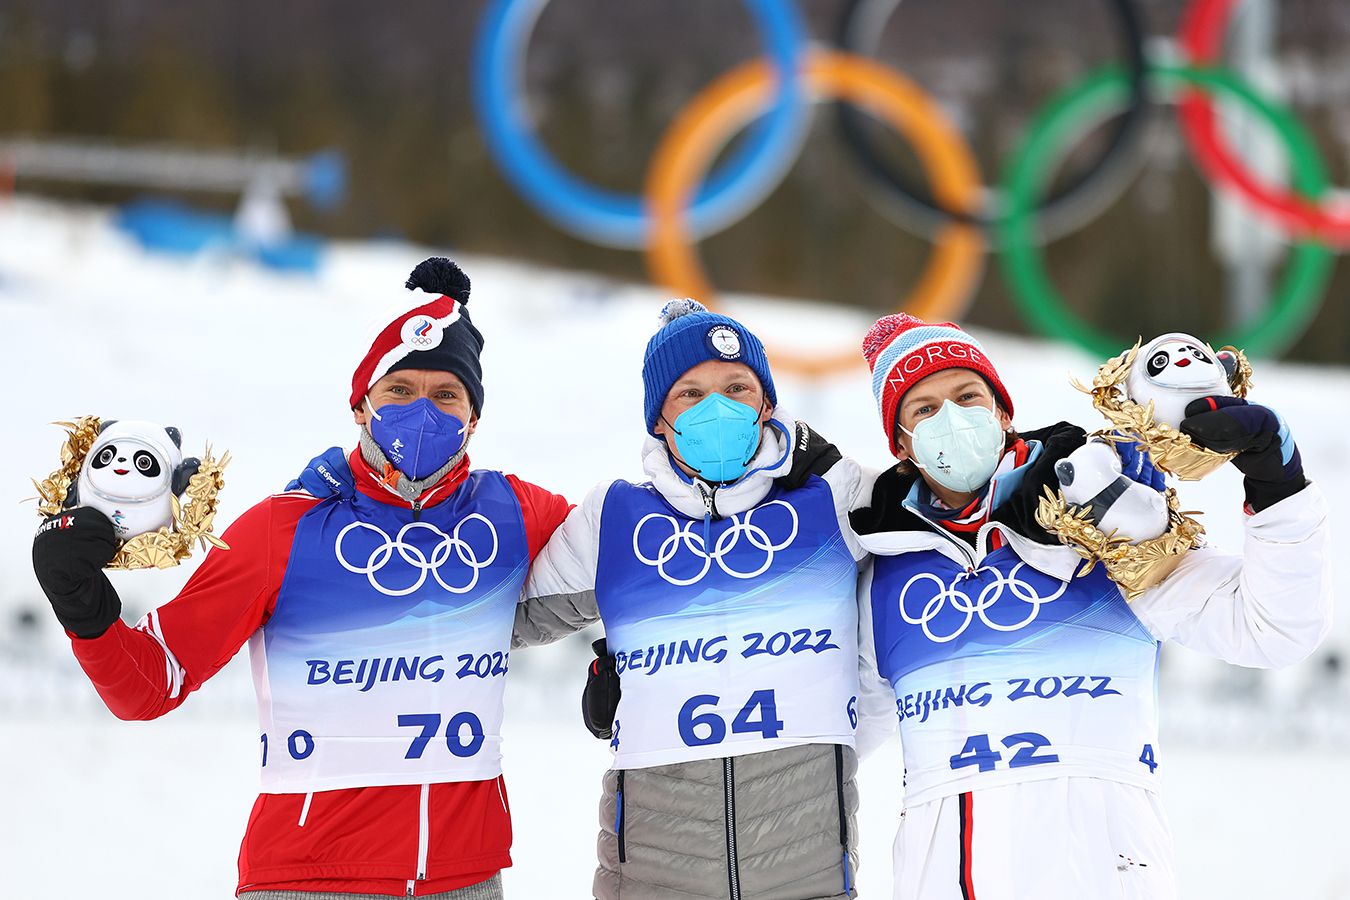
(603, 216)
(962, 602)
(1068, 209)
(692, 541)
(1201, 36)
(945, 288)
(414, 556)
(1295, 299)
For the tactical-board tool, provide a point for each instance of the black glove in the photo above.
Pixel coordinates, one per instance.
(1266, 454)
(69, 553)
(811, 455)
(1018, 509)
(600, 700)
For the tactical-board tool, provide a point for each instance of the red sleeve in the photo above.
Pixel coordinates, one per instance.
(146, 671)
(544, 512)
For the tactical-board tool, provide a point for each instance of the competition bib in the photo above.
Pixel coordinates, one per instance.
(385, 659)
(1003, 673)
(735, 639)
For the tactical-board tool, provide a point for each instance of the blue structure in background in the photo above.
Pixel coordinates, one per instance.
(259, 232)
(168, 226)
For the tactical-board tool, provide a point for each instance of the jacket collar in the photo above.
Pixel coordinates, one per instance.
(696, 498)
(376, 486)
(1055, 560)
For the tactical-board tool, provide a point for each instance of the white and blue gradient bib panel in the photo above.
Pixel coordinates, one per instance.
(738, 639)
(1004, 674)
(385, 659)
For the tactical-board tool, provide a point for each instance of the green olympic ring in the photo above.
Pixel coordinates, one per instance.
(1295, 300)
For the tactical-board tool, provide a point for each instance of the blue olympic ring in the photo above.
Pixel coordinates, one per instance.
(611, 218)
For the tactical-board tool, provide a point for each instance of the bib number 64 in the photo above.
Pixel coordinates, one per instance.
(698, 729)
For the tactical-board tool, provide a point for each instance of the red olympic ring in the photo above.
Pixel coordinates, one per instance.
(1200, 36)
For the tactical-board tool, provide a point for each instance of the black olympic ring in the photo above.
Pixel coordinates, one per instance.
(913, 208)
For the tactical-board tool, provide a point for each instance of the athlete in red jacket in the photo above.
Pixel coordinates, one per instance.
(378, 624)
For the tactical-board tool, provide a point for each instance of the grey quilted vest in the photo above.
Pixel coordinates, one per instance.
(779, 825)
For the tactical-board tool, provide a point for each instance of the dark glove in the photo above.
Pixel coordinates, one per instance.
(1266, 453)
(1018, 509)
(327, 474)
(811, 455)
(600, 700)
(1136, 465)
(69, 553)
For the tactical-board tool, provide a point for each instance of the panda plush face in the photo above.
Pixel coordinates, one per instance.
(131, 474)
(1181, 364)
(128, 469)
(1171, 371)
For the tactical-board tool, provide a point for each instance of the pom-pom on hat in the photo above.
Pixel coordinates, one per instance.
(902, 350)
(434, 332)
(690, 335)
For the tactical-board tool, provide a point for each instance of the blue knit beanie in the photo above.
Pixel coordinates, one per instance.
(690, 335)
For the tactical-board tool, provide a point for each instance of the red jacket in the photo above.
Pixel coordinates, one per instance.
(398, 840)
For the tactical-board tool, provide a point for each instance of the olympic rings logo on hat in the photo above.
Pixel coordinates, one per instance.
(679, 206)
(962, 602)
(416, 557)
(685, 536)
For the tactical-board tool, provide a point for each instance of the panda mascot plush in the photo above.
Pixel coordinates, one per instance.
(1174, 369)
(130, 475)
(1090, 477)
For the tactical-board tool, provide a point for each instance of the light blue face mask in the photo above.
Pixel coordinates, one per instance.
(959, 446)
(717, 437)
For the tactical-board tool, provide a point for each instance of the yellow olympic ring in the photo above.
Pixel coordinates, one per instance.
(687, 149)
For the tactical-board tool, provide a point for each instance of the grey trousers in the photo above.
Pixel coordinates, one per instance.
(483, 890)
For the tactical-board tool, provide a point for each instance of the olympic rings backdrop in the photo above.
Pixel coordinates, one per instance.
(685, 199)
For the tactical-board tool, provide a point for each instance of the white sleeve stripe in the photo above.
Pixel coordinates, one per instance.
(173, 672)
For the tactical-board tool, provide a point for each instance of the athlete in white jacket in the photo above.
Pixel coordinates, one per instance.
(728, 594)
(1026, 691)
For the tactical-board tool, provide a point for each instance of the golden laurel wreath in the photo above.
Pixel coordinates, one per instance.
(1169, 449)
(1134, 567)
(160, 549)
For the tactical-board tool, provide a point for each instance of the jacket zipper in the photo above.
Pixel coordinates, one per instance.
(417, 510)
(733, 865)
(710, 510)
(618, 819)
(967, 551)
(843, 816)
(422, 841)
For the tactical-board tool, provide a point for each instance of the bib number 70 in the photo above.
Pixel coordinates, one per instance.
(758, 716)
(455, 741)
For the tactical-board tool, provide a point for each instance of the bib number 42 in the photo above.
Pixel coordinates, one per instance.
(977, 752)
(759, 715)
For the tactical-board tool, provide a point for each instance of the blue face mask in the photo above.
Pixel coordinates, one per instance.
(717, 437)
(417, 437)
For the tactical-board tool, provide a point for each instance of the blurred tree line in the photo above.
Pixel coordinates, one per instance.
(388, 85)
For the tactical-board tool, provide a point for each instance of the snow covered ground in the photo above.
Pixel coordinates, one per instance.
(1257, 768)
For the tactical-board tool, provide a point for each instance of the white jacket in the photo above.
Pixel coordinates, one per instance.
(997, 676)
(560, 593)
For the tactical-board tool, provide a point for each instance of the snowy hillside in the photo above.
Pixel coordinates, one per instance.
(260, 364)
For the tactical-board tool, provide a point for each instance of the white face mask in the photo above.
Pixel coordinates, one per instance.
(959, 447)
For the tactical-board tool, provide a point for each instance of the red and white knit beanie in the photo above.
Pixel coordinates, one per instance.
(902, 350)
(433, 332)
